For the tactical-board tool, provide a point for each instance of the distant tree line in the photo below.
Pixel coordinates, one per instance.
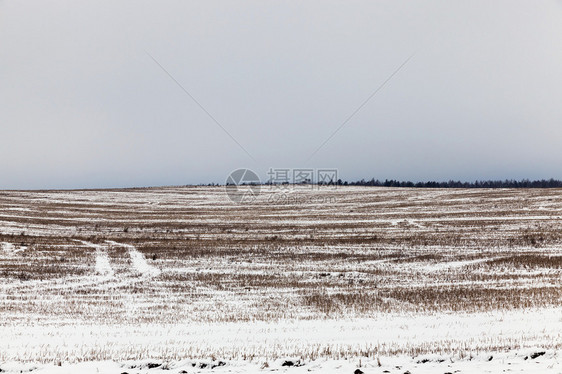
(508, 183)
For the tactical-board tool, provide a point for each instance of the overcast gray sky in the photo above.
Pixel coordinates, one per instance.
(83, 105)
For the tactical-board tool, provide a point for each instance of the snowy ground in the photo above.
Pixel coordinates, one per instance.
(515, 362)
(381, 280)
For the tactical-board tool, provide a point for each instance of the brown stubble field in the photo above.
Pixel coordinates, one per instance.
(319, 253)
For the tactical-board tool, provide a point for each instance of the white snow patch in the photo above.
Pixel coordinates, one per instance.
(103, 266)
(11, 249)
(442, 266)
(139, 261)
(454, 336)
(521, 361)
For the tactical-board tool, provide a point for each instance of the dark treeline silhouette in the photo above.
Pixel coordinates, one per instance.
(508, 183)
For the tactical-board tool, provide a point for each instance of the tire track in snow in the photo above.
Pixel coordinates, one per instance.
(103, 274)
(103, 267)
(139, 261)
(103, 278)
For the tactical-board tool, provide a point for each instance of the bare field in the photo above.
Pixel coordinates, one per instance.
(321, 273)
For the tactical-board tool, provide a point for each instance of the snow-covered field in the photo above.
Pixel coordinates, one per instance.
(183, 280)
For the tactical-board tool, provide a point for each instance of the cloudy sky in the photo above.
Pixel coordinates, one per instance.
(83, 103)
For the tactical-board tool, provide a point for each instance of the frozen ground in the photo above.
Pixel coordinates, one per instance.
(144, 280)
(514, 362)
